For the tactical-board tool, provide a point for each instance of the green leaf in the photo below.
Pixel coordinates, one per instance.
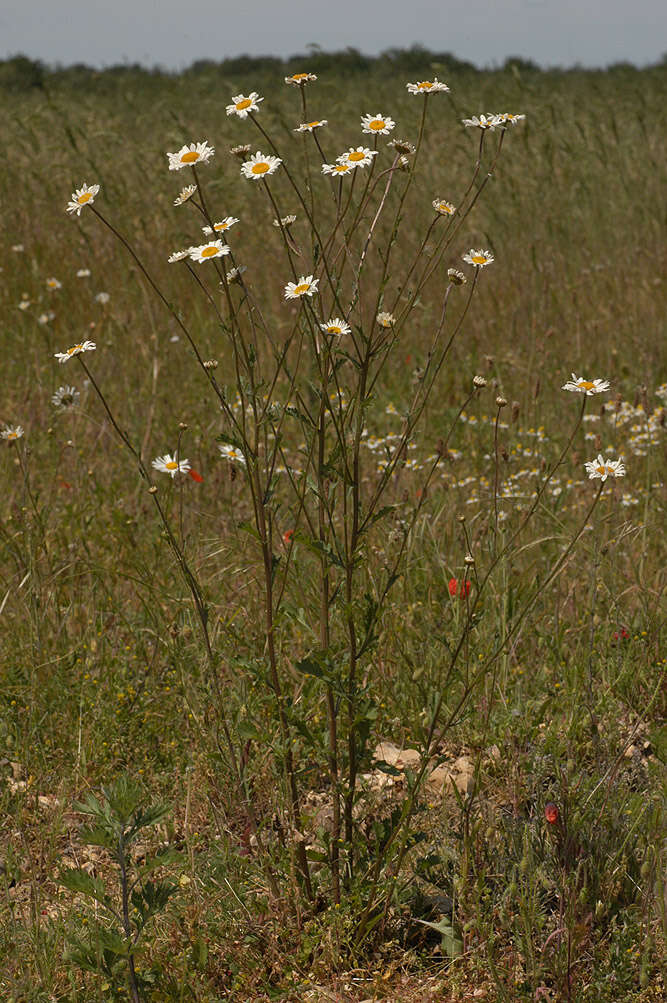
(450, 942)
(79, 881)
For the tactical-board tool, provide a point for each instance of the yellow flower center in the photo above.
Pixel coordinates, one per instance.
(71, 351)
(171, 465)
(190, 158)
(12, 435)
(478, 259)
(424, 85)
(601, 470)
(312, 125)
(220, 226)
(242, 105)
(299, 76)
(586, 384)
(210, 251)
(260, 168)
(86, 197)
(333, 329)
(302, 288)
(356, 156)
(376, 124)
(342, 168)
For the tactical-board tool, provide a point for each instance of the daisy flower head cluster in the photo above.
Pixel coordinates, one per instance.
(311, 126)
(231, 453)
(260, 166)
(225, 224)
(602, 468)
(168, 464)
(360, 156)
(301, 79)
(65, 397)
(478, 258)
(589, 387)
(190, 156)
(242, 105)
(11, 432)
(427, 87)
(306, 286)
(335, 327)
(214, 249)
(83, 346)
(83, 196)
(377, 125)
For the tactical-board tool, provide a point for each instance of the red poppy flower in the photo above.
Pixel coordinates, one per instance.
(287, 537)
(551, 813)
(459, 588)
(195, 476)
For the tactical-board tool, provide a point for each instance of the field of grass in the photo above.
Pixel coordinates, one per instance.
(393, 680)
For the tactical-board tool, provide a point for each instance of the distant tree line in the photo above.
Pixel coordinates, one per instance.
(20, 74)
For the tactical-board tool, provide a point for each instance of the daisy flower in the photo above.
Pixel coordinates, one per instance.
(337, 168)
(83, 273)
(83, 346)
(102, 298)
(178, 256)
(234, 274)
(185, 194)
(385, 319)
(285, 221)
(168, 464)
(188, 156)
(66, 397)
(45, 318)
(231, 453)
(306, 286)
(53, 284)
(311, 126)
(225, 224)
(83, 196)
(604, 468)
(335, 327)
(299, 79)
(241, 151)
(509, 118)
(17, 248)
(478, 258)
(359, 157)
(443, 208)
(589, 387)
(260, 166)
(215, 249)
(456, 277)
(427, 87)
(377, 124)
(242, 105)
(24, 305)
(482, 122)
(12, 432)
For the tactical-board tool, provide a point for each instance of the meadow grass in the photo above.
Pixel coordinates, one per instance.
(556, 694)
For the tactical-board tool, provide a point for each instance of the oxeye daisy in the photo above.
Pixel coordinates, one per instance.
(385, 319)
(602, 469)
(168, 464)
(24, 305)
(377, 125)
(589, 387)
(482, 121)
(231, 453)
(83, 346)
(443, 208)
(456, 277)
(225, 224)
(311, 126)
(260, 166)
(478, 258)
(335, 327)
(427, 87)
(46, 318)
(360, 156)
(53, 284)
(11, 432)
(285, 221)
(509, 118)
(299, 79)
(306, 286)
(189, 156)
(178, 256)
(102, 298)
(185, 194)
(337, 168)
(242, 105)
(66, 397)
(214, 249)
(83, 273)
(83, 196)
(18, 248)
(235, 274)
(402, 146)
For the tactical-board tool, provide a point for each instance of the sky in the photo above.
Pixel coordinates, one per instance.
(173, 33)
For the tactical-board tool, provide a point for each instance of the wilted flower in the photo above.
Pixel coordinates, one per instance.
(82, 197)
(234, 274)
(185, 194)
(456, 277)
(188, 156)
(178, 256)
(285, 221)
(402, 146)
(385, 319)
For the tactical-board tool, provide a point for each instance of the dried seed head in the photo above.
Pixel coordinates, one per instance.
(456, 277)
(403, 163)
(241, 151)
(469, 559)
(401, 146)
(152, 490)
(479, 381)
(182, 425)
(211, 364)
(501, 402)
(516, 410)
